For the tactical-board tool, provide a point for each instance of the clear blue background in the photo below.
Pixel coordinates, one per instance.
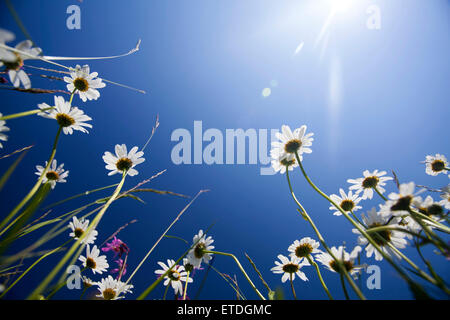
(209, 61)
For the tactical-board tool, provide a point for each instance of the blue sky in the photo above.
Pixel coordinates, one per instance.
(210, 61)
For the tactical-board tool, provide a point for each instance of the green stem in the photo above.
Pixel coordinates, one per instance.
(306, 216)
(165, 291)
(163, 235)
(379, 193)
(240, 267)
(74, 247)
(185, 287)
(313, 263)
(343, 286)
(292, 286)
(357, 226)
(35, 187)
(24, 114)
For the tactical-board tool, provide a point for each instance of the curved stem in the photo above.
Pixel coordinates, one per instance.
(313, 263)
(401, 272)
(241, 268)
(322, 241)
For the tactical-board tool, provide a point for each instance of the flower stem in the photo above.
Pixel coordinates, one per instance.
(24, 114)
(313, 263)
(167, 289)
(74, 247)
(379, 193)
(306, 216)
(240, 267)
(35, 187)
(292, 286)
(343, 286)
(360, 228)
(185, 287)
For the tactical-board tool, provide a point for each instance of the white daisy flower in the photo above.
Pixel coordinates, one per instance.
(382, 238)
(54, 174)
(87, 283)
(429, 207)
(289, 268)
(111, 289)
(175, 276)
(445, 195)
(78, 227)
(400, 203)
(85, 83)
(436, 164)
(3, 128)
(348, 260)
(279, 165)
(304, 248)
(291, 142)
(123, 160)
(69, 118)
(14, 62)
(188, 265)
(196, 255)
(348, 202)
(409, 224)
(94, 261)
(369, 182)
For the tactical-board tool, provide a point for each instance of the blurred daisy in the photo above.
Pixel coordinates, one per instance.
(348, 260)
(85, 83)
(87, 283)
(369, 182)
(346, 202)
(429, 207)
(69, 118)
(54, 174)
(445, 195)
(304, 248)
(399, 204)
(93, 261)
(6, 36)
(382, 238)
(111, 289)
(197, 254)
(123, 161)
(436, 164)
(14, 61)
(409, 224)
(280, 165)
(175, 276)
(3, 128)
(79, 227)
(291, 142)
(289, 268)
